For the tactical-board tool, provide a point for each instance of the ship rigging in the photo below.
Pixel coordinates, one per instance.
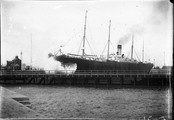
(92, 62)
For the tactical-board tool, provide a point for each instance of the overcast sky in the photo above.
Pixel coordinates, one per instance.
(52, 24)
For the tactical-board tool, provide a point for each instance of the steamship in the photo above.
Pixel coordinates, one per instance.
(113, 62)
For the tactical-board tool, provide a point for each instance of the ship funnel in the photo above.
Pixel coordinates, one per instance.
(119, 48)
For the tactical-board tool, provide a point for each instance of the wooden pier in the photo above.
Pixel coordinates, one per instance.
(87, 78)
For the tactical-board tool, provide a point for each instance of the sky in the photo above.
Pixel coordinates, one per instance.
(42, 27)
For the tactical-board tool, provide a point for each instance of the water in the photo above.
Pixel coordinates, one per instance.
(79, 102)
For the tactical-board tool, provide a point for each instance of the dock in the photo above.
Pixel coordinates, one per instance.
(87, 78)
(14, 106)
(16, 96)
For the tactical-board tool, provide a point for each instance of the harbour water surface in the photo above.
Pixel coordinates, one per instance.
(80, 102)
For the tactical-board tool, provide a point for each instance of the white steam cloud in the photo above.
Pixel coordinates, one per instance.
(51, 66)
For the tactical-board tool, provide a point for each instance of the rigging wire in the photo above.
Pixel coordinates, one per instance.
(136, 55)
(113, 47)
(128, 54)
(79, 47)
(91, 37)
(104, 48)
(76, 33)
(92, 51)
(75, 36)
(66, 42)
(71, 37)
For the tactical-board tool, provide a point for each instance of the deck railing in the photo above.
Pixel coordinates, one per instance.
(81, 72)
(68, 72)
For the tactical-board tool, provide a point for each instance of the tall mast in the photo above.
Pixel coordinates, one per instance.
(143, 52)
(21, 61)
(109, 39)
(132, 46)
(31, 52)
(0, 55)
(84, 36)
(164, 60)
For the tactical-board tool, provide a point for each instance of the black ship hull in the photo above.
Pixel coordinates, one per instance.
(84, 64)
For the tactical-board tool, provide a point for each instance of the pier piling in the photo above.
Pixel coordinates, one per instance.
(87, 78)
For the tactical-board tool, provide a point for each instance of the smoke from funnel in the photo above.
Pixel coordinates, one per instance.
(136, 29)
(123, 40)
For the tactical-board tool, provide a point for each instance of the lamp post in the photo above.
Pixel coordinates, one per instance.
(154, 62)
(21, 61)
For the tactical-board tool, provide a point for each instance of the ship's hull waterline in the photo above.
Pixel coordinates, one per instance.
(84, 64)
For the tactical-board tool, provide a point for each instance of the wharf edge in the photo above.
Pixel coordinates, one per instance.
(88, 78)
